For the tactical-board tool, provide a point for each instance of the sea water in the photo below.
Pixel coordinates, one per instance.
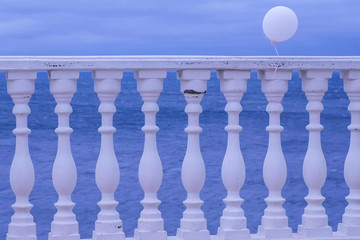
(128, 143)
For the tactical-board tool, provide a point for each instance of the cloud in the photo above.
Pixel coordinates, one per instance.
(122, 26)
(18, 26)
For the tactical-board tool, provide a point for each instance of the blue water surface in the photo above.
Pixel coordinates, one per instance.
(172, 120)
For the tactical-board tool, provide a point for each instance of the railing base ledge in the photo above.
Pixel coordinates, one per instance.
(336, 236)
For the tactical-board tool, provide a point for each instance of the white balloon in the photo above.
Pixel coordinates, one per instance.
(280, 24)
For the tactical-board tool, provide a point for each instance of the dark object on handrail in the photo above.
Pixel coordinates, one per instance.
(190, 91)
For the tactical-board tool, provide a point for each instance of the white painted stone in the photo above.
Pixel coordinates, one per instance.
(150, 223)
(350, 225)
(314, 219)
(233, 222)
(193, 224)
(178, 62)
(151, 69)
(108, 225)
(274, 222)
(64, 225)
(20, 86)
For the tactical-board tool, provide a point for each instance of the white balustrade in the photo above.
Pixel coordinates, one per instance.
(21, 85)
(193, 224)
(314, 219)
(274, 73)
(274, 222)
(65, 225)
(150, 223)
(350, 225)
(233, 221)
(107, 174)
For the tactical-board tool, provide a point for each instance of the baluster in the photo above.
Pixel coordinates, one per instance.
(150, 223)
(64, 225)
(21, 85)
(193, 223)
(233, 221)
(274, 223)
(108, 224)
(314, 219)
(351, 219)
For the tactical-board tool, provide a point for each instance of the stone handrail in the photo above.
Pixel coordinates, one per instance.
(91, 63)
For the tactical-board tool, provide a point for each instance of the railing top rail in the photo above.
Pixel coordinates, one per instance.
(178, 62)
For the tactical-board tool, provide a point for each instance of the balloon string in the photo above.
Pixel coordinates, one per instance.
(274, 44)
(276, 68)
(277, 53)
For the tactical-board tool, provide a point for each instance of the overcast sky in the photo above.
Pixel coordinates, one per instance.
(173, 27)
